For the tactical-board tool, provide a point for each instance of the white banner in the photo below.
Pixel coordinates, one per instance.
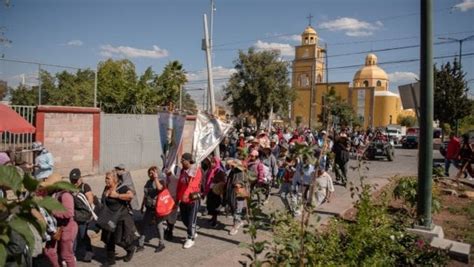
(171, 127)
(208, 133)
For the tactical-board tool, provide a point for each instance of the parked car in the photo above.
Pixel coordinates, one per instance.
(410, 141)
(394, 134)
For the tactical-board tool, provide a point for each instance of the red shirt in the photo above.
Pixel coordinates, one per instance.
(189, 182)
(453, 148)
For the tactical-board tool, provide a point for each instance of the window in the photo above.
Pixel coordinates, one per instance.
(366, 83)
(320, 79)
(379, 83)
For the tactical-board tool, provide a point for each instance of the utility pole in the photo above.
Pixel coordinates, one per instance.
(209, 68)
(212, 107)
(180, 97)
(425, 164)
(95, 87)
(39, 84)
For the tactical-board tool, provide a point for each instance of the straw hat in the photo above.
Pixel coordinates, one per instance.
(236, 163)
(52, 179)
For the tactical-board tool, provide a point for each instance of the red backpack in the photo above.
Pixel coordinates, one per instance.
(164, 203)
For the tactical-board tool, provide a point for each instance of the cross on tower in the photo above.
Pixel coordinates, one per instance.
(309, 18)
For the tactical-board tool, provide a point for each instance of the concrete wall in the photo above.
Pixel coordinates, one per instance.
(72, 135)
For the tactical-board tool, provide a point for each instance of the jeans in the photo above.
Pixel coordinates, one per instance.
(341, 171)
(447, 164)
(82, 244)
(66, 251)
(189, 216)
(149, 223)
(240, 211)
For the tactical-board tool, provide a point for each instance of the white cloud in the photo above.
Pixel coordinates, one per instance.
(358, 33)
(293, 38)
(131, 52)
(465, 5)
(402, 77)
(285, 49)
(30, 79)
(351, 26)
(75, 43)
(220, 74)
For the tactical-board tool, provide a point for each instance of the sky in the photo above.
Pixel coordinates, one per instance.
(80, 34)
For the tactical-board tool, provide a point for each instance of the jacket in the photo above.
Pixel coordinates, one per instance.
(189, 182)
(45, 164)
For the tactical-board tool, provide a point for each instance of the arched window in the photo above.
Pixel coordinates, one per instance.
(366, 83)
(379, 83)
(320, 79)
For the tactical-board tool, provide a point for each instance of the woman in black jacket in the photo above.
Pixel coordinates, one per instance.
(117, 197)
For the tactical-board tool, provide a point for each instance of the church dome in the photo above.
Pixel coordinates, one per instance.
(309, 30)
(371, 74)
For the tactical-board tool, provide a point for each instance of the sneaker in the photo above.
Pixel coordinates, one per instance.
(470, 178)
(140, 248)
(195, 235)
(233, 231)
(189, 243)
(160, 247)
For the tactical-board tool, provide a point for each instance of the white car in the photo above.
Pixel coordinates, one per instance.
(394, 134)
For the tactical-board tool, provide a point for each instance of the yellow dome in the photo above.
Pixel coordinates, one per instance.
(370, 70)
(309, 30)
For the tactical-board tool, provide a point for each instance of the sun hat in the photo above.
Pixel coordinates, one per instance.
(254, 153)
(52, 179)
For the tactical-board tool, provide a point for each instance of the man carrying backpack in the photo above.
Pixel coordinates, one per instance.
(83, 207)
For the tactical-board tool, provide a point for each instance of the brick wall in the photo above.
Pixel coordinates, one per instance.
(71, 134)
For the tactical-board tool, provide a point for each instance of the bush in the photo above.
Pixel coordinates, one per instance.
(406, 191)
(374, 238)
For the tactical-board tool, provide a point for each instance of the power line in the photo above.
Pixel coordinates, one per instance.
(355, 66)
(290, 34)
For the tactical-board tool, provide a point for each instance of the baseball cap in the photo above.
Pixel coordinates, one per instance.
(75, 174)
(121, 166)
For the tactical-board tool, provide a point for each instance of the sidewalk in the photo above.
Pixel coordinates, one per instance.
(214, 247)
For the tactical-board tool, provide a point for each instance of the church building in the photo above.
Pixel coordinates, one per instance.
(369, 93)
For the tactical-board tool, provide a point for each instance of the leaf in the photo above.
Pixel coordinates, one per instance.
(62, 185)
(4, 239)
(3, 255)
(30, 183)
(10, 178)
(20, 226)
(51, 204)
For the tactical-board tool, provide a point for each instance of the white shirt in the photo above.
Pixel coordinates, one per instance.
(323, 184)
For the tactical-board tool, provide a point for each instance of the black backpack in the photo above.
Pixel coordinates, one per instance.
(82, 210)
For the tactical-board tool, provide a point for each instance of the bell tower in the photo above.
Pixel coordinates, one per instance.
(308, 70)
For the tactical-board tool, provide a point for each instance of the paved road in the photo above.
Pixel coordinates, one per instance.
(214, 247)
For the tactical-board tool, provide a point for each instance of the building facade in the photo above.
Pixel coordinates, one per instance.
(369, 94)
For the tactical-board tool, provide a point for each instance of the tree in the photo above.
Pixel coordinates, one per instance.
(73, 89)
(260, 83)
(3, 89)
(170, 81)
(451, 102)
(408, 121)
(24, 95)
(339, 108)
(116, 79)
(189, 105)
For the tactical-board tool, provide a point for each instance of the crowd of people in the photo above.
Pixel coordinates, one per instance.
(295, 165)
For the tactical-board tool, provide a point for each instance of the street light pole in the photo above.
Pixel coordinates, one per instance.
(460, 41)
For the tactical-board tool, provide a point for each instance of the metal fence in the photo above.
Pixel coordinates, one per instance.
(19, 145)
(129, 139)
